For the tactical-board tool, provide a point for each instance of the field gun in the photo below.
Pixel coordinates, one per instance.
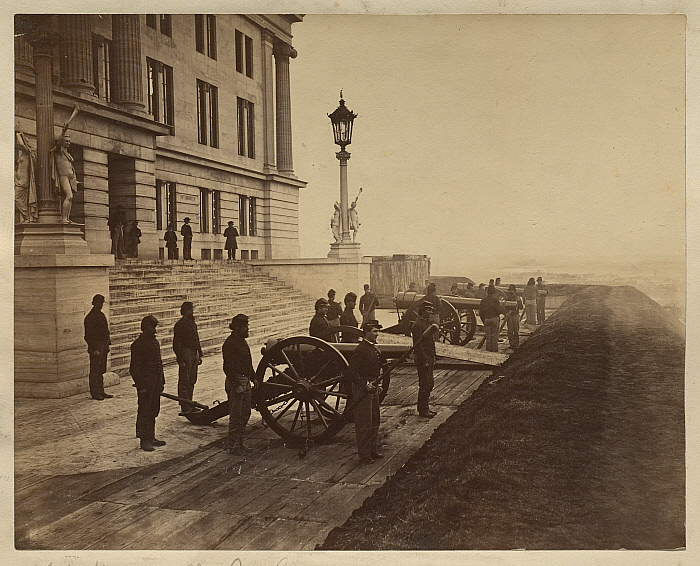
(457, 316)
(300, 388)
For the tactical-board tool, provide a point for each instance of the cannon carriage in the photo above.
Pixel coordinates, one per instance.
(458, 323)
(300, 388)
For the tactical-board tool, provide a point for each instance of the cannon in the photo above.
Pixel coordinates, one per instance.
(457, 316)
(300, 389)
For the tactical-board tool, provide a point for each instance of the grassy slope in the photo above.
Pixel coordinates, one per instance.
(579, 445)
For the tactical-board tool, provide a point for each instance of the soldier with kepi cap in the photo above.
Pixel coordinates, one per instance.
(188, 352)
(146, 370)
(238, 367)
(363, 369)
(97, 338)
(424, 355)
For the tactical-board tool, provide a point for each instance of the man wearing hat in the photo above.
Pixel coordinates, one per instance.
(541, 299)
(146, 370)
(186, 232)
(171, 241)
(319, 324)
(348, 316)
(188, 352)
(134, 239)
(334, 309)
(424, 355)
(490, 314)
(238, 367)
(513, 317)
(231, 234)
(363, 369)
(97, 338)
(368, 302)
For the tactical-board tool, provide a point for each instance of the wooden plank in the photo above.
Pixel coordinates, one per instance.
(282, 534)
(245, 533)
(138, 527)
(24, 481)
(298, 499)
(171, 519)
(453, 352)
(234, 495)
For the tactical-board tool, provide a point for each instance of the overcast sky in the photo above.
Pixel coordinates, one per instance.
(486, 141)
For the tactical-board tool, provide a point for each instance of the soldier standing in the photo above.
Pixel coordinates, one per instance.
(171, 242)
(334, 309)
(530, 297)
(364, 368)
(116, 222)
(490, 314)
(424, 353)
(368, 302)
(97, 338)
(541, 299)
(238, 367)
(513, 317)
(348, 316)
(146, 369)
(186, 232)
(231, 234)
(319, 325)
(134, 239)
(188, 352)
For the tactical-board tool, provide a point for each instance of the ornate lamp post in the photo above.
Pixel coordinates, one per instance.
(342, 120)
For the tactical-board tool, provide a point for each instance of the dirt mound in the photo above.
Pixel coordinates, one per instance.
(579, 443)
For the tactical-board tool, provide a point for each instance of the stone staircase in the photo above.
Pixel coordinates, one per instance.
(218, 290)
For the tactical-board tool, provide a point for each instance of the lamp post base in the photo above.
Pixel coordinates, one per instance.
(345, 251)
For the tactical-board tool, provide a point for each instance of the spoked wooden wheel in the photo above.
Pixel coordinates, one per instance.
(343, 334)
(467, 320)
(300, 393)
(450, 328)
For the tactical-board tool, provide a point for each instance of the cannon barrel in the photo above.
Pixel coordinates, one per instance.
(388, 350)
(408, 298)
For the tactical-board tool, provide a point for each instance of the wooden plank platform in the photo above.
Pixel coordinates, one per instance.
(206, 499)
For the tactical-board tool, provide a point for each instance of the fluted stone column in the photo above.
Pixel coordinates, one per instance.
(283, 51)
(76, 53)
(126, 42)
(268, 40)
(24, 55)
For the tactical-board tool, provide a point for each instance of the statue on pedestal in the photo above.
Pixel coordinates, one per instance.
(65, 181)
(335, 223)
(25, 181)
(353, 218)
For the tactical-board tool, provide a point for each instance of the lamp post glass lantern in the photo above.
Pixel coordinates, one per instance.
(342, 120)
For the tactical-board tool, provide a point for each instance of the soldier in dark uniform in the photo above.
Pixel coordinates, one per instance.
(188, 352)
(541, 300)
(186, 232)
(97, 338)
(424, 355)
(513, 317)
(334, 309)
(238, 367)
(146, 370)
(348, 316)
(363, 369)
(319, 325)
(171, 242)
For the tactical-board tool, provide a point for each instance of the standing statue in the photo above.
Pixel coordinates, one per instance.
(353, 218)
(335, 223)
(65, 181)
(25, 181)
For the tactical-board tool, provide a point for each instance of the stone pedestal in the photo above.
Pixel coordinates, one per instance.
(345, 251)
(56, 277)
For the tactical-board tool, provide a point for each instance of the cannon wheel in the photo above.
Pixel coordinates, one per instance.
(351, 331)
(451, 330)
(467, 319)
(300, 392)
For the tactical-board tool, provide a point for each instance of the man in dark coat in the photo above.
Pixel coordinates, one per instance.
(541, 300)
(134, 240)
(171, 242)
(490, 314)
(348, 316)
(334, 309)
(363, 369)
(116, 223)
(513, 317)
(368, 302)
(146, 370)
(319, 326)
(424, 355)
(186, 232)
(188, 352)
(238, 367)
(231, 234)
(97, 338)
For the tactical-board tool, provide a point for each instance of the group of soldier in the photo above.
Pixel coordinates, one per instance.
(170, 237)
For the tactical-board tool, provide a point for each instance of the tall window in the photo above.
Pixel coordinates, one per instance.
(216, 212)
(204, 196)
(160, 91)
(207, 114)
(242, 215)
(100, 66)
(246, 128)
(165, 21)
(244, 54)
(252, 216)
(205, 34)
(166, 204)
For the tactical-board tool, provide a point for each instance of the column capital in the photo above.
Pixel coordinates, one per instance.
(37, 32)
(283, 50)
(343, 156)
(268, 36)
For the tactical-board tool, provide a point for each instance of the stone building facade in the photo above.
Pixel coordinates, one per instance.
(180, 116)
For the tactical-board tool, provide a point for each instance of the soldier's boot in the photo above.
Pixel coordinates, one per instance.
(147, 445)
(157, 442)
(243, 448)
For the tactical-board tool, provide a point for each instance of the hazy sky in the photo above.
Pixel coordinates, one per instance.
(493, 140)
